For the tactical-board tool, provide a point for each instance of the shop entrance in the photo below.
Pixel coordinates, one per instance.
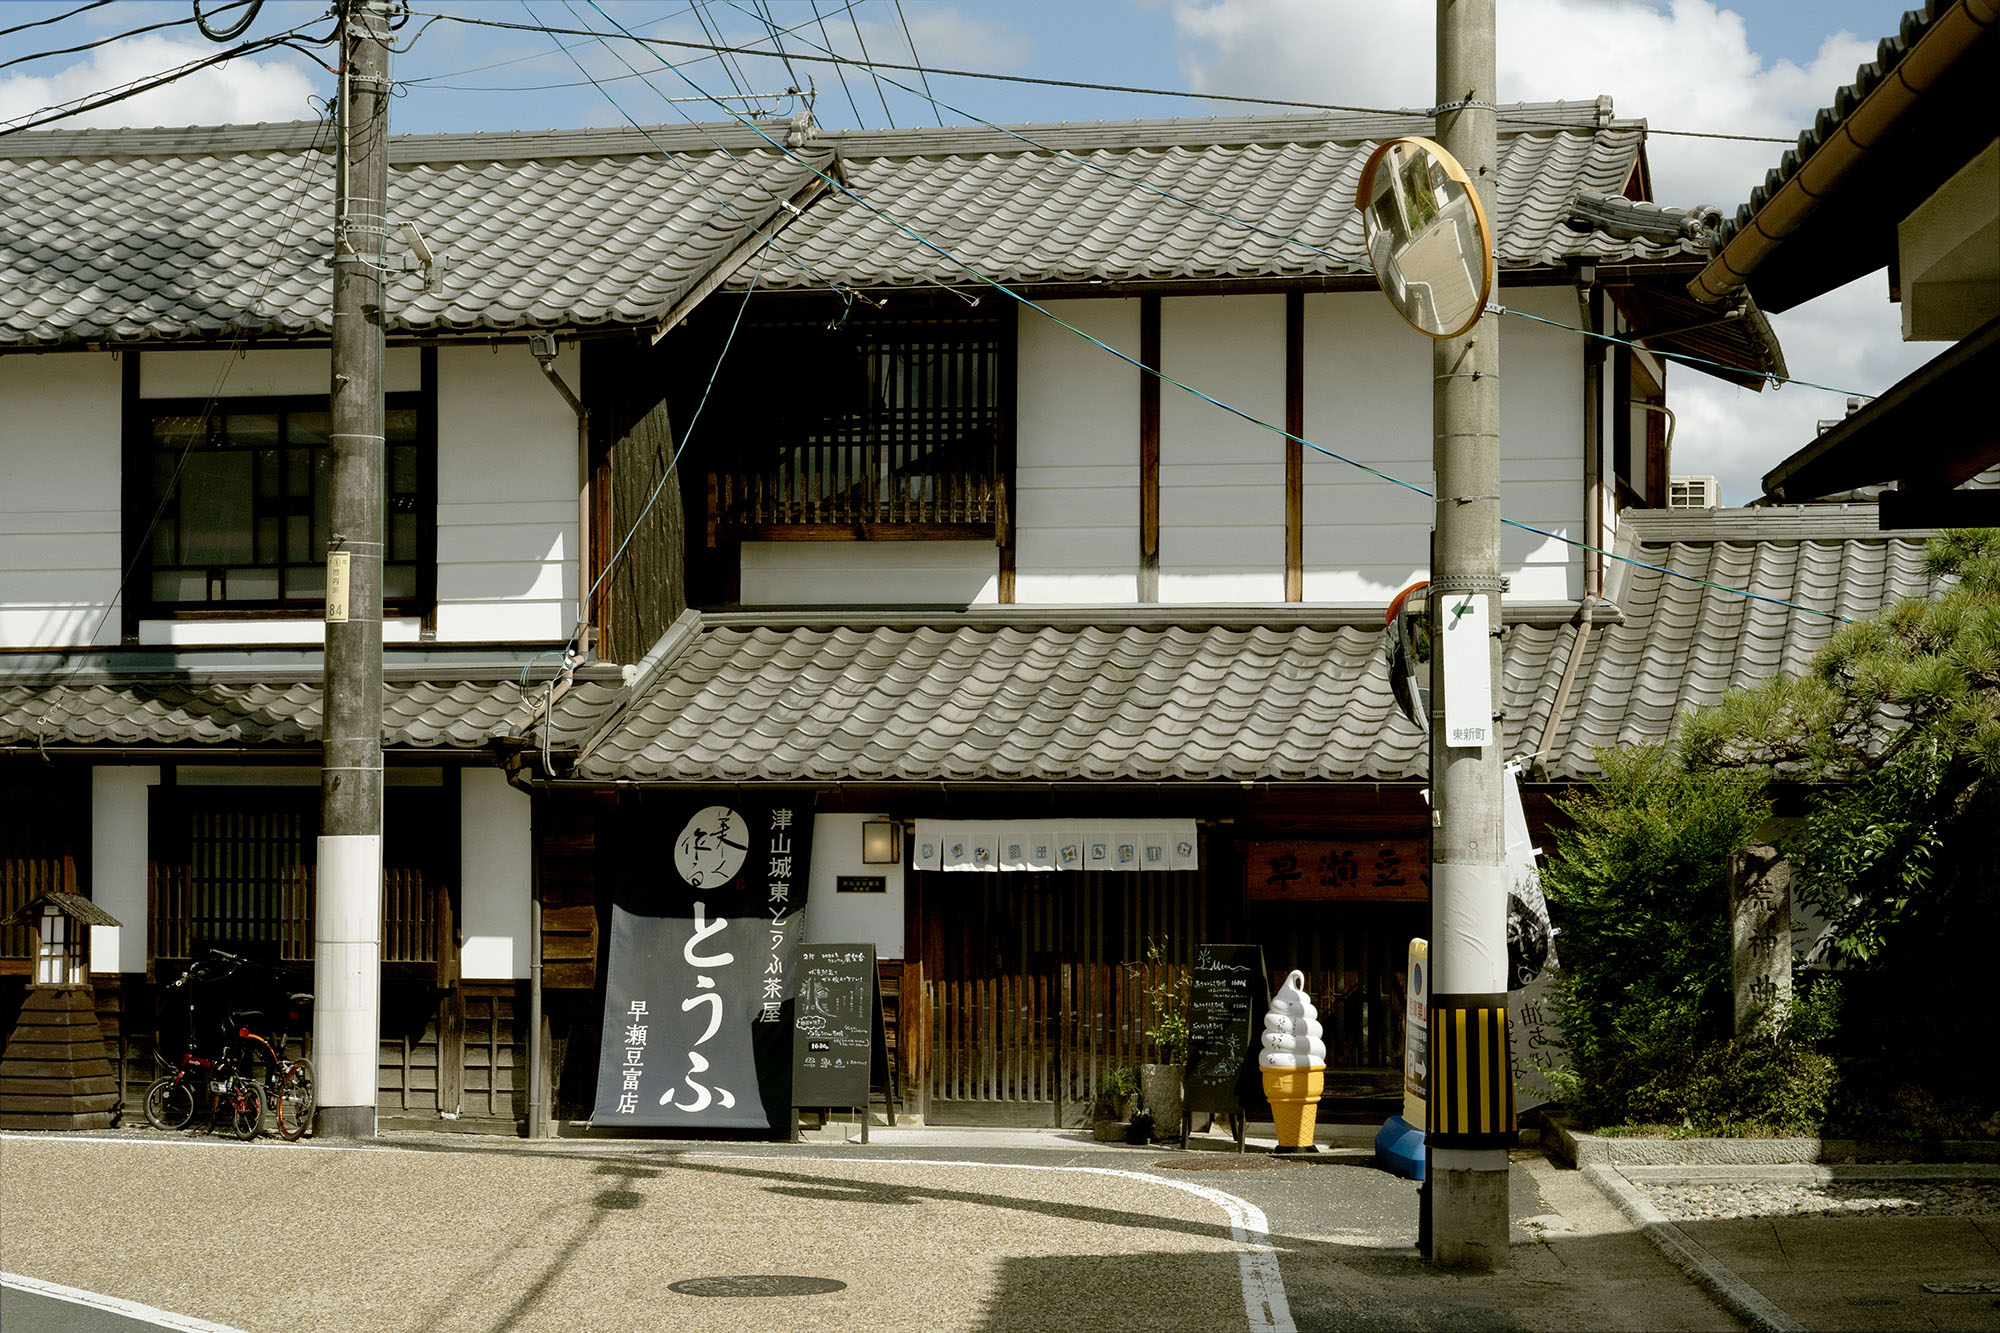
(1037, 986)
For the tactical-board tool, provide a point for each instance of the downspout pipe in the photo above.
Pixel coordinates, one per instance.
(1826, 171)
(542, 346)
(538, 1123)
(1539, 767)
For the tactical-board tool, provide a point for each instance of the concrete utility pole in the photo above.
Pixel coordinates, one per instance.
(347, 925)
(1471, 1090)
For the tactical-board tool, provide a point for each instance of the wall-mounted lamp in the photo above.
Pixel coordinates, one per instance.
(881, 842)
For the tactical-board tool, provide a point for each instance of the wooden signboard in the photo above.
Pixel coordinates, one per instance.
(1228, 994)
(838, 1041)
(1373, 870)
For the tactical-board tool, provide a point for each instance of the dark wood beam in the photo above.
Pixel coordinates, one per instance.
(1149, 450)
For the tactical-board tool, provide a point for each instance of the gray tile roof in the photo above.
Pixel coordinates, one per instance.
(1682, 644)
(252, 709)
(538, 230)
(1028, 697)
(1085, 202)
(197, 233)
(1183, 695)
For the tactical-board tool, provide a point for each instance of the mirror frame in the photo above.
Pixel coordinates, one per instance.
(1453, 171)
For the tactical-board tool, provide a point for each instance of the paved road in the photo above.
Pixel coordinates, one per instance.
(922, 1229)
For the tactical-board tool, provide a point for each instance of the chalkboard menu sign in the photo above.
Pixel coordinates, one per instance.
(837, 1037)
(1228, 993)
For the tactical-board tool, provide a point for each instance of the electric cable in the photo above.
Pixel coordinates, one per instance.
(1295, 104)
(770, 236)
(1231, 409)
(918, 61)
(1354, 264)
(701, 18)
(840, 69)
(434, 80)
(106, 41)
(146, 83)
(777, 39)
(855, 20)
(308, 158)
(231, 33)
(43, 23)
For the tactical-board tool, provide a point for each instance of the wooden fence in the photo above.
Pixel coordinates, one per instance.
(904, 484)
(1056, 1039)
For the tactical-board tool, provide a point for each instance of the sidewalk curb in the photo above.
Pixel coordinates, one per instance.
(1742, 1299)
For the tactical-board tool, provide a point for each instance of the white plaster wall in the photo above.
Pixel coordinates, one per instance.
(1076, 510)
(118, 819)
(263, 633)
(870, 573)
(507, 481)
(60, 502)
(496, 853)
(851, 918)
(1222, 480)
(1541, 445)
(271, 373)
(1368, 396)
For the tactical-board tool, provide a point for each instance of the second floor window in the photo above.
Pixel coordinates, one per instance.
(242, 493)
(890, 424)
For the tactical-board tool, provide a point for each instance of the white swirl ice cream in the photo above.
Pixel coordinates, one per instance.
(1293, 1037)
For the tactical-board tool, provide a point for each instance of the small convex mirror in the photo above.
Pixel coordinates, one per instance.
(1427, 236)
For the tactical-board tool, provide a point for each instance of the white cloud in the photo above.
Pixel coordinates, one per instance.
(240, 92)
(1685, 65)
(1849, 339)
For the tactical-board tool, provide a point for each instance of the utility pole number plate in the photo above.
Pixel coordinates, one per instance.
(1465, 626)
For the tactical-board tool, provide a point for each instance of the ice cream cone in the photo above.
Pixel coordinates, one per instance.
(1294, 1095)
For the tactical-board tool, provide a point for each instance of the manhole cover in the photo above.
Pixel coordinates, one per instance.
(756, 1284)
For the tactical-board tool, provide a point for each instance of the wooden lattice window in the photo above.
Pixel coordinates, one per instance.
(43, 829)
(875, 427)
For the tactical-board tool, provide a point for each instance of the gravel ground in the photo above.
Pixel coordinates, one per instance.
(1906, 1198)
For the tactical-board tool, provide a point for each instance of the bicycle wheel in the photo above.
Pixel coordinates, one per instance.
(246, 1102)
(169, 1104)
(296, 1101)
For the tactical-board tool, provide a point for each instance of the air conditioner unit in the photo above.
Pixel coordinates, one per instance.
(1694, 493)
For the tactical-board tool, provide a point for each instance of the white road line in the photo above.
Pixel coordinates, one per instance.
(1264, 1301)
(116, 1305)
(205, 1142)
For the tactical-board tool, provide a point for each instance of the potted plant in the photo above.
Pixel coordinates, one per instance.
(1141, 1129)
(1116, 1092)
(1166, 1001)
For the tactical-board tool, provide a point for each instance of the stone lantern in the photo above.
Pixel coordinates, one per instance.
(54, 1073)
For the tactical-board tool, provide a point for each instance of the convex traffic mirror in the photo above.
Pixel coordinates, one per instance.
(1427, 236)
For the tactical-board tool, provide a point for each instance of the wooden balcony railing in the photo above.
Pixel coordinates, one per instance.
(908, 487)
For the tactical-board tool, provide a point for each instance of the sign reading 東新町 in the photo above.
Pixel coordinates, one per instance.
(697, 1001)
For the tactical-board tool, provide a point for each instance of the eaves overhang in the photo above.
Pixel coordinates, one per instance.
(1933, 430)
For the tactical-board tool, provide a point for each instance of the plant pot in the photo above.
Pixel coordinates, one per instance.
(1120, 1105)
(1160, 1093)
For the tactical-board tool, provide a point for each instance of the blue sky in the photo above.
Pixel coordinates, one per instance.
(1752, 67)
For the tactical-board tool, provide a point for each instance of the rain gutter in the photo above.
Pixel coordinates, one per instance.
(1825, 172)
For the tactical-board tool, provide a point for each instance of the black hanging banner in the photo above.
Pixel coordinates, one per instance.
(1228, 992)
(705, 920)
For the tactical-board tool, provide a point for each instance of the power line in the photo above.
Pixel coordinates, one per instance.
(1511, 118)
(43, 23)
(106, 41)
(770, 236)
(918, 61)
(1161, 375)
(855, 21)
(1353, 263)
(92, 101)
(283, 238)
(840, 69)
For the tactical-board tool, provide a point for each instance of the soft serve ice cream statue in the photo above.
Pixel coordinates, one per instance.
(1293, 1063)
